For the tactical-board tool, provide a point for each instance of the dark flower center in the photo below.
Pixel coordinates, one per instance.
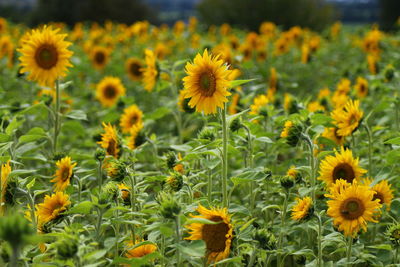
(208, 84)
(352, 208)
(99, 57)
(379, 196)
(46, 56)
(65, 174)
(135, 69)
(110, 92)
(343, 171)
(215, 235)
(112, 148)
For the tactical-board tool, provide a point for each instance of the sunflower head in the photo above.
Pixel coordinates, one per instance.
(389, 72)
(169, 206)
(135, 250)
(266, 239)
(341, 166)
(52, 207)
(5, 172)
(64, 173)
(45, 56)
(110, 141)
(124, 192)
(183, 103)
(206, 83)
(218, 237)
(100, 57)
(116, 169)
(292, 132)
(383, 192)
(303, 210)
(347, 118)
(295, 174)
(393, 232)
(352, 207)
(150, 71)
(108, 91)
(361, 87)
(132, 117)
(174, 181)
(332, 134)
(136, 138)
(133, 67)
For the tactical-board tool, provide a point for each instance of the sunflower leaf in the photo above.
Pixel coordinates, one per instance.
(236, 83)
(201, 220)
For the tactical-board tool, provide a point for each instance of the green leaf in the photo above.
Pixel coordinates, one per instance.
(31, 184)
(193, 249)
(95, 255)
(393, 141)
(82, 208)
(201, 220)
(264, 139)
(4, 137)
(320, 119)
(21, 172)
(381, 246)
(182, 148)
(158, 113)
(30, 138)
(239, 181)
(236, 83)
(228, 260)
(77, 115)
(14, 124)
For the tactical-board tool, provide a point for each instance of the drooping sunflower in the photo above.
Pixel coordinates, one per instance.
(383, 192)
(218, 237)
(352, 208)
(133, 67)
(132, 117)
(286, 129)
(5, 172)
(99, 57)
(109, 140)
(361, 87)
(64, 173)
(341, 166)
(303, 209)
(109, 90)
(136, 137)
(150, 72)
(124, 192)
(331, 133)
(206, 83)
(45, 56)
(139, 251)
(52, 207)
(347, 118)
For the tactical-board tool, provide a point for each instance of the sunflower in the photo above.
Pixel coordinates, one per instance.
(218, 237)
(383, 192)
(124, 192)
(63, 174)
(347, 118)
(206, 83)
(139, 251)
(99, 57)
(303, 209)
(133, 67)
(136, 137)
(286, 129)
(5, 172)
(315, 106)
(45, 56)
(259, 103)
(340, 166)
(52, 207)
(132, 117)
(150, 72)
(3, 25)
(331, 133)
(352, 208)
(372, 64)
(109, 140)
(361, 87)
(108, 90)
(273, 78)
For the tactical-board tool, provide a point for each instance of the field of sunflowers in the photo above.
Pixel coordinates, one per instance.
(138, 145)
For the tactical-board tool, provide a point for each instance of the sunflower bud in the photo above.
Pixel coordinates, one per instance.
(15, 229)
(264, 112)
(236, 124)
(116, 170)
(265, 238)
(389, 73)
(295, 174)
(207, 134)
(393, 232)
(292, 132)
(100, 154)
(170, 159)
(67, 248)
(175, 181)
(287, 182)
(59, 155)
(108, 192)
(267, 172)
(169, 207)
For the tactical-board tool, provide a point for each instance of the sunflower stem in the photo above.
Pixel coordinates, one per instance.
(14, 256)
(250, 159)
(396, 253)
(349, 246)
(133, 200)
(209, 183)
(224, 157)
(100, 174)
(178, 239)
(369, 148)
(57, 117)
(319, 241)
(283, 217)
(253, 256)
(32, 206)
(312, 164)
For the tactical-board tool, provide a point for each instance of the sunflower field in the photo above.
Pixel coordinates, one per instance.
(143, 145)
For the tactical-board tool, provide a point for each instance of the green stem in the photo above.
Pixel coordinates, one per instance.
(224, 158)
(250, 153)
(116, 228)
(98, 225)
(57, 117)
(253, 256)
(319, 241)
(14, 256)
(312, 164)
(370, 167)
(283, 219)
(397, 116)
(32, 206)
(178, 239)
(100, 174)
(349, 246)
(396, 252)
(209, 183)
(133, 200)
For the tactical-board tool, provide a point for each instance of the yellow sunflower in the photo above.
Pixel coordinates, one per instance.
(285, 132)
(218, 237)
(206, 83)
(63, 175)
(132, 117)
(331, 133)
(109, 90)
(315, 106)
(5, 172)
(139, 251)
(259, 102)
(303, 209)
(52, 207)
(383, 192)
(361, 87)
(341, 166)
(136, 138)
(45, 56)
(348, 117)
(352, 208)
(109, 140)
(99, 57)
(124, 191)
(150, 72)
(3, 25)
(133, 67)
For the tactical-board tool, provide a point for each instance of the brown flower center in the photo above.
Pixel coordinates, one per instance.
(134, 119)
(112, 148)
(65, 174)
(110, 92)
(46, 56)
(215, 235)
(396, 234)
(208, 84)
(352, 208)
(379, 195)
(100, 57)
(134, 68)
(343, 171)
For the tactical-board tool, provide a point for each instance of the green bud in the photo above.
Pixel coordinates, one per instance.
(393, 233)
(287, 182)
(170, 159)
(389, 73)
(265, 238)
(207, 134)
(67, 248)
(59, 155)
(169, 206)
(175, 181)
(100, 154)
(236, 124)
(116, 170)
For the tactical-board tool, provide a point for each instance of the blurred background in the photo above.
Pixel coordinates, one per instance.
(315, 14)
